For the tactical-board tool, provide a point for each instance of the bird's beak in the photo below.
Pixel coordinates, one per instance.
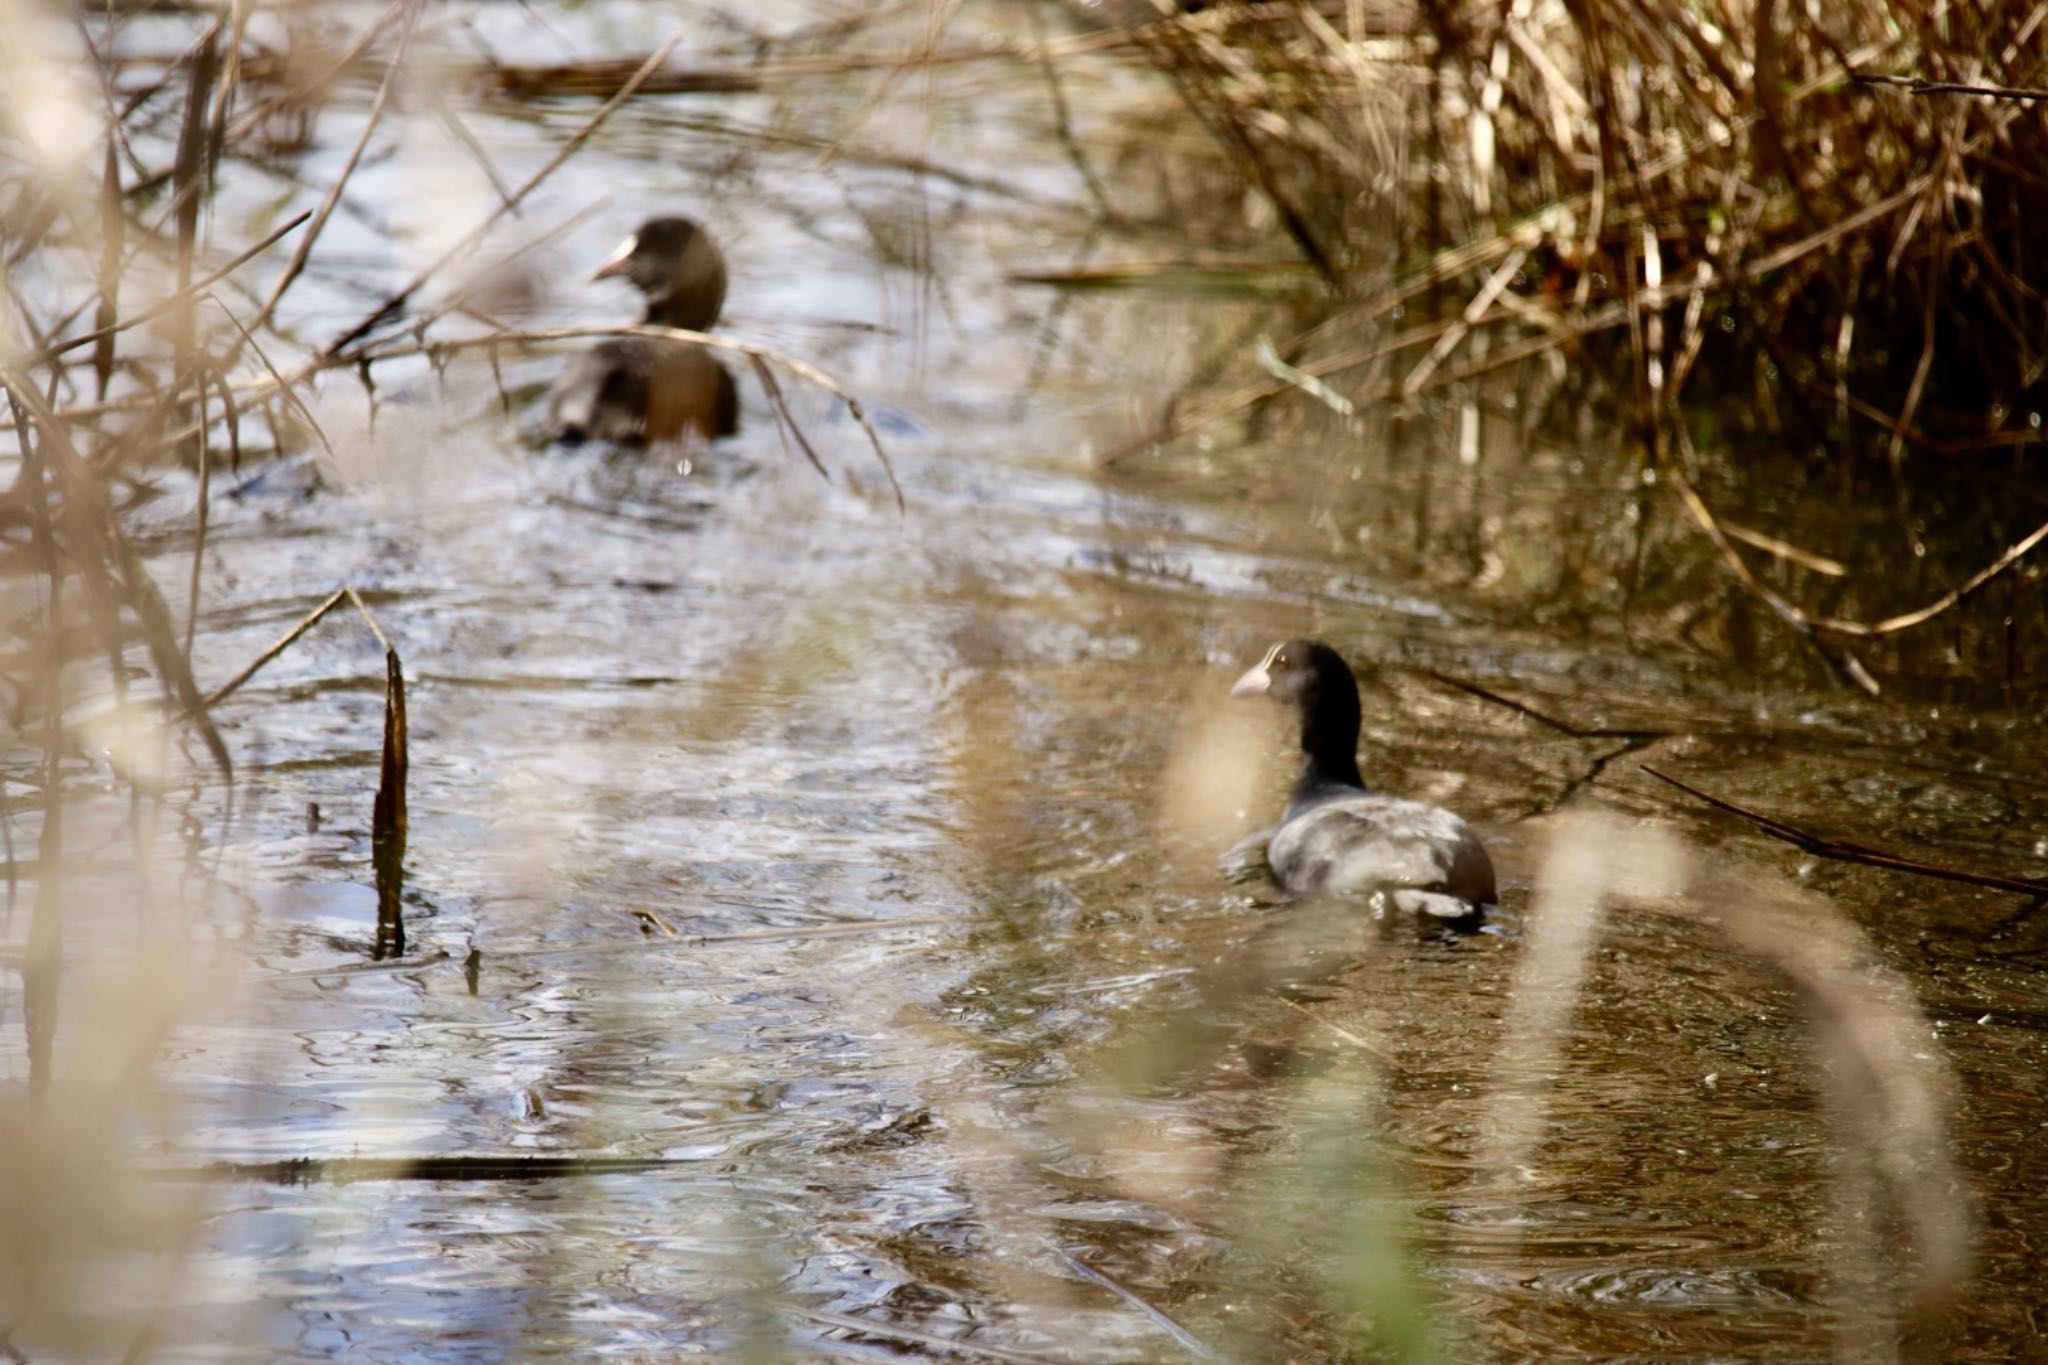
(615, 264)
(1255, 683)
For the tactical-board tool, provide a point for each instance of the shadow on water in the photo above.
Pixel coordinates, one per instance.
(770, 922)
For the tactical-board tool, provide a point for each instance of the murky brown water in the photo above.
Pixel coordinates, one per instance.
(657, 712)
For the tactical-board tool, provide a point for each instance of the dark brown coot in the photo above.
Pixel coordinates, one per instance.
(641, 388)
(1338, 839)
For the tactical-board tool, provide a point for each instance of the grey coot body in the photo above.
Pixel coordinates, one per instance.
(1339, 839)
(645, 388)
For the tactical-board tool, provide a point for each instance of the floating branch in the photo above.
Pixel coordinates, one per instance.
(1524, 709)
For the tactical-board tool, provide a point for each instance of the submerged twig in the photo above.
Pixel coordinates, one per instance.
(1842, 850)
(1189, 1342)
(889, 1331)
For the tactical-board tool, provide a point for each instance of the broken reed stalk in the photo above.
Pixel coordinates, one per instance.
(388, 822)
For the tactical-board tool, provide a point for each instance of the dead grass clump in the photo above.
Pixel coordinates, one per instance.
(1840, 199)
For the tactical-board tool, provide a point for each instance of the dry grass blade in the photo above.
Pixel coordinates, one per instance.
(113, 231)
(287, 391)
(176, 300)
(107, 564)
(1794, 616)
(42, 964)
(785, 421)
(284, 642)
(1907, 620)
(1848, 664)
(1888, 1089)
(293, 267)
(1771, 545)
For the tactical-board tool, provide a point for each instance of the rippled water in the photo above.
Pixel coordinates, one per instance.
(657, 713)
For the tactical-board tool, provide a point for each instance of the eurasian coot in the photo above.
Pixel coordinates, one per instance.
(1339, 839)
(644, 388)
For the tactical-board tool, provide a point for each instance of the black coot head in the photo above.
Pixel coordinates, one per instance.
(677, 266)
(1301, 673)
(1314, 679)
